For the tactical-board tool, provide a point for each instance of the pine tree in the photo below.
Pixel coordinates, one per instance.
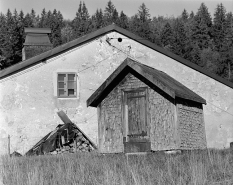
(3, 31)
(10, 42)
(219, 26)
(110, 13)
(34, 18)
(227, 48)
(167, 37)
(85, 23)
(99, 19)
(184, 15)
(66, 32)
(42, 20)
(56, 26)
(179, 44)
(123, 21)
(81, 22)
(191, 16)
(140, 23)
(28, 22)
(115, 17)
(143, 13)
(201, 28)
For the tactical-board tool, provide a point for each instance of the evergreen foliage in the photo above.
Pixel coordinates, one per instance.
(167, 37)
(193, 36)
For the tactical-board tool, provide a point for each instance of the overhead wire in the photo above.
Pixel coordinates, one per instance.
(139, 61)
(97, 63)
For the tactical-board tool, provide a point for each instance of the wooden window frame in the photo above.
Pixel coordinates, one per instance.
(75, 89)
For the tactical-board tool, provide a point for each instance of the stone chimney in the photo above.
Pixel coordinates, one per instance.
(36, 42)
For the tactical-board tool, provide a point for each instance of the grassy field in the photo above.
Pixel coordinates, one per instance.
(198, 167)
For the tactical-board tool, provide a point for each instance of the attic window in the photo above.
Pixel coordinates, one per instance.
(66, 85)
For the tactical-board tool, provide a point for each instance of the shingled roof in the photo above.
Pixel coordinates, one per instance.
(146, 74)
(94, 35)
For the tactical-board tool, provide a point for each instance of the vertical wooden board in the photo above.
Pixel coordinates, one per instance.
(99, 126)
(176, 125)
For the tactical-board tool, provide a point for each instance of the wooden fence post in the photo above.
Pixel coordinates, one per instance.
(9, 142)
(231, 147)
(75, 145)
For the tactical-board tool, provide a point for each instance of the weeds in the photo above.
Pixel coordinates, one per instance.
(194, 168)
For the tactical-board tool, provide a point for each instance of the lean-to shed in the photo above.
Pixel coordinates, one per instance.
(141, 109)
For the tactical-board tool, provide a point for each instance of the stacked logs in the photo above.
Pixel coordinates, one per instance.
(80, 144)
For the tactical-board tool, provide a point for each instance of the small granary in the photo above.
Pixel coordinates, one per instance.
(141, 109)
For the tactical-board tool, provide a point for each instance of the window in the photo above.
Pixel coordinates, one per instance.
(66, 85)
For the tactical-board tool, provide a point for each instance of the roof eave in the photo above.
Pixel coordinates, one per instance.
(98, 33)
(55, 51)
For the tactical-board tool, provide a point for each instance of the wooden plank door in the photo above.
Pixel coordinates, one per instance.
(136, 116)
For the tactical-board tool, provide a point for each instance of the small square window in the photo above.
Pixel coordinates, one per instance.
(66, 85)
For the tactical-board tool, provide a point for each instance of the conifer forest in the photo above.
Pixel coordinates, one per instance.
(202, 39)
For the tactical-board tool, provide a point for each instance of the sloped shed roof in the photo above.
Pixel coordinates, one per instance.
(37, 39)
(37, 36)
(94, 35)
(148, 75)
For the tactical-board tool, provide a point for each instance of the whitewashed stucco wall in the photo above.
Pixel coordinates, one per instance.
(28, 104)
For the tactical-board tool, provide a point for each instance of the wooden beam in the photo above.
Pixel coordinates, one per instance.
(9, 145)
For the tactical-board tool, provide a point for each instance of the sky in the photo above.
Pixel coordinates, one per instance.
(68, 8)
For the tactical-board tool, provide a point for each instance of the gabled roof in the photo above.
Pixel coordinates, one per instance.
(146, 74)
(98, 33)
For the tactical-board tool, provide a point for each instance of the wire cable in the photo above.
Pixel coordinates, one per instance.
(97, 62)
(139, 61)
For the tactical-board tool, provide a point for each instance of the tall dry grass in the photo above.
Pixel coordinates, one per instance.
(197, 167)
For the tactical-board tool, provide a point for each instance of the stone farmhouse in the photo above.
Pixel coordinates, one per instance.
(63, 78)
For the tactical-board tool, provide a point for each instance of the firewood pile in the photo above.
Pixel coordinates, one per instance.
(82, 145)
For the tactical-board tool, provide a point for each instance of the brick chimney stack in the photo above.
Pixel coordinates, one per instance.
(36, 42)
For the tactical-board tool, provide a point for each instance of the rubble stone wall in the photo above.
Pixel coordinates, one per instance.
(31, 51)
(161, 119)
(191, 127)
(111, 125)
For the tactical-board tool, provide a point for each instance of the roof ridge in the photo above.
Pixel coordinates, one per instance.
(93, 35)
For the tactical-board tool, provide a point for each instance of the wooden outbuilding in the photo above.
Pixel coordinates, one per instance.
(141, 109)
